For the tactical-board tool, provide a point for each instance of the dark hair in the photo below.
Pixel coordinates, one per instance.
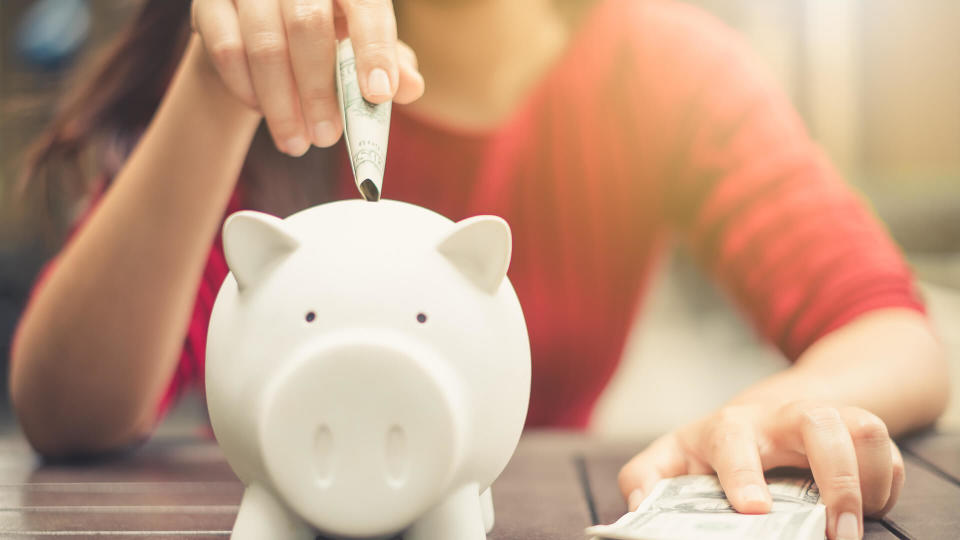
(111, 100)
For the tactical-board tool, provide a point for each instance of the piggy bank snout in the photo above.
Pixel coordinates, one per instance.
(361, 433)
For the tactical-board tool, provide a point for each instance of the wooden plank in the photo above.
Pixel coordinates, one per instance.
(173, 489)
(539, 496)
(602, 469)
(875, 530)
(929, 505)
(941, 450)
(185, 489)
(112, 535)
(14, 496)
(118, 519)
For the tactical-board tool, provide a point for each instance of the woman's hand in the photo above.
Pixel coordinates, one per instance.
(278, 57)
(858, 469)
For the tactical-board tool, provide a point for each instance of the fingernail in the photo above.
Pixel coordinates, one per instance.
(847, 527)
(324, 133)
(753, 493)
(634, 500)
(296, 146)
(378, 84)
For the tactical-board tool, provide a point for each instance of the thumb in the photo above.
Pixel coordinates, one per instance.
(662, 459)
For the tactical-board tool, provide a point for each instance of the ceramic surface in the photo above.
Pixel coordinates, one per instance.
(367, 371)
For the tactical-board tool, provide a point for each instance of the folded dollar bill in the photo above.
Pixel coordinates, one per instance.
(695, 508)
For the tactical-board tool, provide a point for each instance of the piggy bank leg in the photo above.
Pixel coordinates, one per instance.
(261, 516)
(460, 516)
(486, 506)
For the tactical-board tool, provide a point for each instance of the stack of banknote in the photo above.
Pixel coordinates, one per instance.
(694, 507)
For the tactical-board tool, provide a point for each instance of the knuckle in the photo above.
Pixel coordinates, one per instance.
(283, 121)
(873, 503)
(728, 424)
(368, 4)
(320, 110)
(742, 475)
(626, 476)
(284, 126)
(729, 431)
(622, 475)
(319, 96)
(899, 471)
(307, 16)
(799, 406)
(313, 114)
(869, 430)
(227, 52)
(268, 47)
(729, 415)
(844, 486)
(733, 414)
(724, 436)
(405, 50)
(377, 51)
(898, 467)
(821, 418)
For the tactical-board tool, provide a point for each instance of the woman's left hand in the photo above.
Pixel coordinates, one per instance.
(856, 465)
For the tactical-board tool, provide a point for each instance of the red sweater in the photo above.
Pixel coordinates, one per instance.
(656, 122)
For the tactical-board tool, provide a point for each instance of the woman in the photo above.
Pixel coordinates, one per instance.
(595, 128)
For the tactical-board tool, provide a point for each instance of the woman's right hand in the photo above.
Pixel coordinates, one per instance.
(278, 57)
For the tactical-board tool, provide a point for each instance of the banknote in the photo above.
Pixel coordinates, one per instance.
(695, 508)
(366, 126)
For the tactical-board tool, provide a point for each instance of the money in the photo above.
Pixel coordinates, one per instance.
(695, 508)
(366, 126)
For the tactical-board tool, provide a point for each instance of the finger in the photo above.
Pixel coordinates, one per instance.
(732, 451)
(309, 26)
(874, 458)
(373, 32)
(219, 28)
(899, 475)
(662, 459)
(833, 461)
(261, 25)
(411, 81)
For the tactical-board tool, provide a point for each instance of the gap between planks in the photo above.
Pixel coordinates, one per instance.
(930, 466)
(580, 464)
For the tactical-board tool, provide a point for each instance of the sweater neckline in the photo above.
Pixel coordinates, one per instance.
(530, 98)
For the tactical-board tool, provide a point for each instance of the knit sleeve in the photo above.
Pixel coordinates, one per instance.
(762, 208)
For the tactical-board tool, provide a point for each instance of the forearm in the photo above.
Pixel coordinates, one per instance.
(888, 362)
(101, 338)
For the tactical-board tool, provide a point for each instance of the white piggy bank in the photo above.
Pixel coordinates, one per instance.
(367, 372)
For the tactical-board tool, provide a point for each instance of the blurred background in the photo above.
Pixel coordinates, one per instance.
(878, 82)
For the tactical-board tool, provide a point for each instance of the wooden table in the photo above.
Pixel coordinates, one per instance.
(557, 484)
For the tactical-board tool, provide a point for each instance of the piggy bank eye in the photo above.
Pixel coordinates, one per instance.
(311, 316)
(421, 317)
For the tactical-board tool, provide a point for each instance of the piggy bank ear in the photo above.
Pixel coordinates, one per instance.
(480, 248)
(252, 242)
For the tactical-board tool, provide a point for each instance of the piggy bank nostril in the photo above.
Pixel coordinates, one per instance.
(311, 316)
(396, 458)
(323, 455)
